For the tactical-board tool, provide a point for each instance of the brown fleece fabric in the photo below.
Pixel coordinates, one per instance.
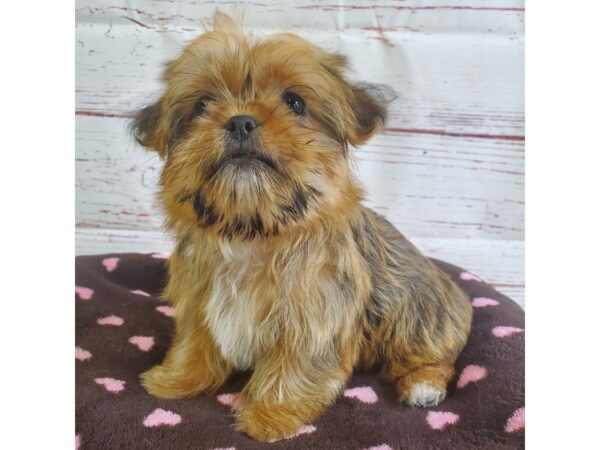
(120, 333)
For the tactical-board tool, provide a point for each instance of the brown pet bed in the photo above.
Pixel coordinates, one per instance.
(123, 329)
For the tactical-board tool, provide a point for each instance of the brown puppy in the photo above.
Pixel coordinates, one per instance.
(278, 267)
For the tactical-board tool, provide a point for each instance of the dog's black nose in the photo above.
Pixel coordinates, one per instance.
(240, 127)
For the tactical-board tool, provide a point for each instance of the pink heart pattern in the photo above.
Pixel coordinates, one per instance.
(140, 292)
(438, 420)
(516, 422)
(82, 354)
(144, 343)
(471, 374)
(111, 384)
(503, 332)
(84, 293)
(467, 276)
(365, 394)
(111, 320)
(110, 264)
(482, 302)
(160, 417)
(227, 399)
(168, 311)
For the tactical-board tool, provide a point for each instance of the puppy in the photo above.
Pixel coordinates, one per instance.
(278, 268)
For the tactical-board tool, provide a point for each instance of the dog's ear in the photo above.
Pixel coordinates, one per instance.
(158, 126)
(145, 126)
(366, 104)
(369, 104)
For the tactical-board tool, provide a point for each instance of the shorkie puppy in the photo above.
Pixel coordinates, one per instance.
(278, 268)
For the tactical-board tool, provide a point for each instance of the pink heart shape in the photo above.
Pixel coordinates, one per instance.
(304, 429)
(144, 343)
(380, 447)
(168, 311)
(77, 442)
(160, 255)
(236, 401)
(503, 332)
(227, 399)
(516, 422)
(471, 374)
(160, 417)
(140, 292)
(467, 276)
(481, 302)
(111, 320)
(111, 384)
(365, 394)
(84, 293)
(110, 263)
(438, 420)
(82, 354)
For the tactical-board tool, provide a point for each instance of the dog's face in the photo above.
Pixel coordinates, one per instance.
(255, 134)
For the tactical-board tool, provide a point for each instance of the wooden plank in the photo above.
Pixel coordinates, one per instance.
(425, 16)
(427, 185)
(447, 84)
(433, 186)
(498, 262)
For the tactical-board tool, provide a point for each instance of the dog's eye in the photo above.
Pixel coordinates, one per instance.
(200, 107)
(295, 103)
(202, 104)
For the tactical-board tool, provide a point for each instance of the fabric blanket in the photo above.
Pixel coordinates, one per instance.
(123, 329)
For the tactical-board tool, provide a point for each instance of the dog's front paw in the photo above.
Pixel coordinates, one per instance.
(268, 422)
(425, 395)
(164, 383)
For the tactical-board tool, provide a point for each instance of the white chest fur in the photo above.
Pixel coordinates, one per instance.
(233, 312)
(258, 296)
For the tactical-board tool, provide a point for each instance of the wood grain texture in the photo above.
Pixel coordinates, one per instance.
(447, 84)
(501, 17)
(427, 188)
(448, 172)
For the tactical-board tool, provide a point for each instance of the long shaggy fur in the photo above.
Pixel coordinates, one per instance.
(278, 267)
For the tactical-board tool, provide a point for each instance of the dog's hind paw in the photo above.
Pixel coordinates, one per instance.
(425, 395)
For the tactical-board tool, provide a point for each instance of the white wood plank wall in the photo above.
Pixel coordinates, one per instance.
(448, 172)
